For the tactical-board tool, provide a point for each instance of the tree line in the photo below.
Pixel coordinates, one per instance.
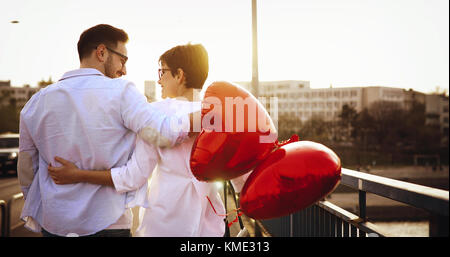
(10, 113)
(9, 117)
(383, 129)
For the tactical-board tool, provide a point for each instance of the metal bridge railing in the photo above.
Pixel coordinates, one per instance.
(326, 219)
(6, 209)
(9, 205)
(432, 200)
(3, 220)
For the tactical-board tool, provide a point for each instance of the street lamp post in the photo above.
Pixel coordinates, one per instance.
(255, 80)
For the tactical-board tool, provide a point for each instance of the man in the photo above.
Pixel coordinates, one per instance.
(176, 203)
(91, 118)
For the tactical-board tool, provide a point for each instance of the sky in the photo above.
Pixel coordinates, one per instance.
(339, 43)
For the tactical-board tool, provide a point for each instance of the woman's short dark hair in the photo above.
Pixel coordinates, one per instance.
(100, 34)
(192, 59)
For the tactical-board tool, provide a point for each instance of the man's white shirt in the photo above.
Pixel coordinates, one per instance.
(91, 120)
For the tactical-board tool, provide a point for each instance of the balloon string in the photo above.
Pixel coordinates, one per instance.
(294, 138)
(236, 219)
(238, 213)
(214, 208)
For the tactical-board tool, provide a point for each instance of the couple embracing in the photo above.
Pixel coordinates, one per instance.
(92, 147)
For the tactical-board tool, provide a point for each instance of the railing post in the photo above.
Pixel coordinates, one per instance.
(333, 222)
(362, 209)
(236, 203)
(8, 217)
(3, 222)
(353, 231)
(8, 212)
(225, 220)
(346, 228)
(438, 226)
(257, 230)
(291, 225)
(316, 221)
(339, 227)
(303, 223)
(327, 225)
(320, 221)
(308, 222)
(362, 204)
(311, 221)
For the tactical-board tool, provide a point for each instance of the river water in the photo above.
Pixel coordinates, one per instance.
(404, 228)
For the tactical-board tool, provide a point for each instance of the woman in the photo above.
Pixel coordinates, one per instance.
(176, 203)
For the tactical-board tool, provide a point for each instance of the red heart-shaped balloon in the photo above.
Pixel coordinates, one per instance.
(291, 178)
(237, 134)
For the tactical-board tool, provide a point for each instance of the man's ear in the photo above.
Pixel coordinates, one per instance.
(101, 53)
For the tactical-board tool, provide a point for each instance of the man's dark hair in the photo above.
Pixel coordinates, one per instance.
(100, 34)
(192, 59)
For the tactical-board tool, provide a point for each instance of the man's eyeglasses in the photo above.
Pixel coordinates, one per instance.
(161, 72)
(119, 54)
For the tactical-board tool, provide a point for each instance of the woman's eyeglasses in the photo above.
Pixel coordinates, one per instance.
(161, 72)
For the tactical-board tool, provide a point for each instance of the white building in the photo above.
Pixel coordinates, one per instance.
(19, 95)
(150, 90)
(436, 110)
(296, 98)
